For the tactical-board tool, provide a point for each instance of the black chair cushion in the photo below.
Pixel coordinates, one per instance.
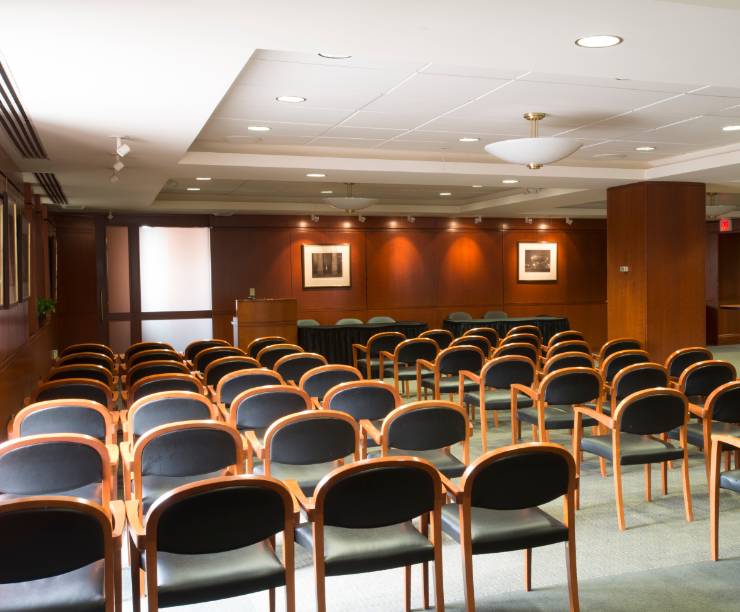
(556, 417)
(450, 384)
(634, 449)
(405, 372)
(91, 492)
(81, 590)
(351, 551)
(307, 476)
(445, 462)
(727, 480)
(191, 579)
(695, 432)
(495, 531)
(606, 407)
(497, 399)
(153, 486)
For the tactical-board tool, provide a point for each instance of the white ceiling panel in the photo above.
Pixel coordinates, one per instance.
(346, 131)
(474, 71)
(352, 62)
(363, 143)
(616, 82)
(702, 131)
(223, 128)
(688, 105)
(270, 110)
(405, 119)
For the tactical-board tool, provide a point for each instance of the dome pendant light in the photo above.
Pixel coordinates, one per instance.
(349, 202)
(533, 152)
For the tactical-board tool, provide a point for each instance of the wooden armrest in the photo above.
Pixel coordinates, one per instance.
(223, 410)
(307, 503)
(254, 442)
(113, 453)
(293, 383)
(598, 416)
(118, 510)
(423, 363)
(359, 347)
(697, 410)
(452, 489)
(371, 430)
(386, 354)
(726, 439)
(211, 391)
(127, 454)
(135, 527)
(315, 403)
(471, 375)
(520, 388)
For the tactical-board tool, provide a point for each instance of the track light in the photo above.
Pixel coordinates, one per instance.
(110, 215)
(361, 219)
(529, 220)
(568, 221)
(315, 218)
(119, 165)
(478, 220)
(411, 219)
(114, 178)
(122, 149)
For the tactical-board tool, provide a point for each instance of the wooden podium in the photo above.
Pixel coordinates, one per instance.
(269, 317)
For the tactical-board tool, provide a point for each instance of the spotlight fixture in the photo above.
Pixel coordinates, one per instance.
(411, 219)
(529, 220)
(258, 128)
(361, 219)
(478, 220)
(291, 99)
(122, 149)
(114, 178)
(510, 181)
(119, 165)
(110, 215)
(468, 139)
(568, 221)
(334, 56)
(645, 148)
(315, 175)
(202, 178)
(315, 218)
(193, 189)
(731, 128)
(599, 41)
(445, 193)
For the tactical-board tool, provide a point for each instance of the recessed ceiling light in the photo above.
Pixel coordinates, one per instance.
(315, 175)
(468, 139)
(610, 155)
(327, 191)
(445, 193)
(292, 99)
(510, 181)
(645, 148)
(193, 188)
(202, 178)
(599, 41)
(731, 128)
(334, 56)
(258, 128)
(477, 186)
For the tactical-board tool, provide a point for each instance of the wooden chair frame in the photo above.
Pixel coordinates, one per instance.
(461, 341)
(719, 444)
(112, 367)
(139, 346)
(214, 341)
(626, 371)
(175, 356)
(196, 360)
(393, 358)
(525, 329)
(502, 348)
(112, 396)
(222, 360)
(688, 349)
(533, 339)
(480, 331)
(216, 395)
(562, 336)
(367, 349)
(125, 379)
(570, 343)
(314, 508)
(681, 384)
(434, 367)
(546, 365)
(287, 358)
(107, 374)
(613, 424)
(129, 394)
(336, 367)
(272, 347)
(14, 426)
(143, 534)
(604, 347)
(429, 333)
(260, 339)
(88, 347)
(462, 494)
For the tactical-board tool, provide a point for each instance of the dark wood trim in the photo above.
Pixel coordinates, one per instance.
(134, 283)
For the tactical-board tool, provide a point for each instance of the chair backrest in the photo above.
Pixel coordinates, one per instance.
(723, 404)
(49, 464)
(75, 416)
(81, 370)
(74, 388)
(218, 515)
(384, 341)
(532, 339)
(363, 399)
(209, 355)
(442, 337)
(618, 344)
(168, 407)
(176, 381)
(188, 448)
(349, 321)
(51, 536)
(700, 379)
(409, 351)
(308, 323)
(652, 411)
(487, 332)
(317, 381)
(145, 346)
(638, 377)
(381, 319)
(269, 355)
(260, 407)
(568, 334)
(88, 347)
(571, 359)
(152, 368)
(460, 315)
(568, 346)
(87, 357)
(425, 425)
(256, 345)
(479, 341)
(237, 382)
(160, 354)
(525, 329)
(571, 386)
(519, 476)
(525, 349)
(502, 372)
(192, 349)
(681, 359)
(378, 493)
(310, 437)
(621, 359)
(292, 367)
(455, 358)
(495, 314)
(219, 368)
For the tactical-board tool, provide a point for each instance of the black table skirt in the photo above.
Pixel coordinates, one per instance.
(548, 325)
(335, 341)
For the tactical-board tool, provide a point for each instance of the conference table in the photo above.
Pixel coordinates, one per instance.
(335, 341)
(548, 325)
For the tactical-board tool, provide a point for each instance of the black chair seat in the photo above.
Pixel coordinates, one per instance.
(191, 579)
(154, 486)
(634, 449)
(350, 551)
(727, 480)
(495, 531)
(374, 366)
(695, 432)
(91, 492)
(498, 399)
(307, 476)
(556, 417)
(81, 590)
(449, 384)
(606, 407)
(406, 372)
(445, 462)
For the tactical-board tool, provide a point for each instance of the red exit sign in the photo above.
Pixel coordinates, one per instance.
(725, 225)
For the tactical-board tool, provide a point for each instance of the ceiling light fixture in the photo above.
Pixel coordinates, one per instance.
(645, 148)
(336, 56)
(350, 202)
(445, 193)
(119, 165)
(258, 128)
(478, 220)
(533, 152)
(122, 149)
(477, 186)
(114, 178)
(468, 139)
(315, 175)
(361, 219)
(568, 221)
(291, 99)
(193, 189)
(528, 220)
(202, 178)
(315, 218)
(731, 128)
(327, 192)
(599, 41)
(411, 219)
(510, 181)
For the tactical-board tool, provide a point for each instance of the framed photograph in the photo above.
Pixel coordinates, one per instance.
(538, 262)
(325, 265)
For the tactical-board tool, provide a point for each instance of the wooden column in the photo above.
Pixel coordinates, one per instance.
(657, 230)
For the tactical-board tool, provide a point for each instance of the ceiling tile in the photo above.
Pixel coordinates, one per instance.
(473, 71)
(616, 82)
(270, 110)
(345, 131)
(404, 120)
(223, 128)
(353, 62)
(364, 143)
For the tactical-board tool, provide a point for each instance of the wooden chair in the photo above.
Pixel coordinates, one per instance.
(528, 338)
(729, 480)
(401, 363)
(572, 359)
(442, 337)
(616, 362)
(67, 534)
(525, 329)
(292, 367)
(487, 332)
(156, 354)
(445, 370)
(494, 392)
(209, 355)
(192, 349)
(76, 388)
(568, 334)
(681, 359)
(219, 368)
(100, 359)
(631, 379)
(479, 341)
(699, 380)
(88, 347)
(524, 349)
(370, 363)
(155, 383)
(496, 509)
(567, 346)
(618, 344)
(144, 346)
(269, 355)
(233, 520)
(317, 381)
(235, 383)
(151, 368)
(633, 439)
(83, 370)
(379, 493)
(256, 345)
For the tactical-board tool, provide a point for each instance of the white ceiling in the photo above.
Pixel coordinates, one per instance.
(184, 80)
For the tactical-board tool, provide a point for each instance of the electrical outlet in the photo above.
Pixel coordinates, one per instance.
(624, 268)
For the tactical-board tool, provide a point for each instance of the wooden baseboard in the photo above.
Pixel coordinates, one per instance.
(728, 339)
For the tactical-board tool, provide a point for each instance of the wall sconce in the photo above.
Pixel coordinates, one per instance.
(315, 218)
(568, 221)
(411, 219)
(529, 220)
(361, 219)
(478, 220)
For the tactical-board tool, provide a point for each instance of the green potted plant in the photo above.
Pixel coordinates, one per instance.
(44, 306)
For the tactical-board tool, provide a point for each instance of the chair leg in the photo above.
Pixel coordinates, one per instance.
(688, 509)
(618, 494)
(714, 502)
(570, 559)
(271, 595)
(664, 476)
(534, 433)
(602, 467)
(527, 569)
(407, 588)
(133, 554)
(495, 418)
(484, 428)
(319, 569)
(648, 492)
(439, 589)
(424, 528)
(466, 551)
(152, 596)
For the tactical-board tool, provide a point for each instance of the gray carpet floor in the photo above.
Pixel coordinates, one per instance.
(659, 563)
